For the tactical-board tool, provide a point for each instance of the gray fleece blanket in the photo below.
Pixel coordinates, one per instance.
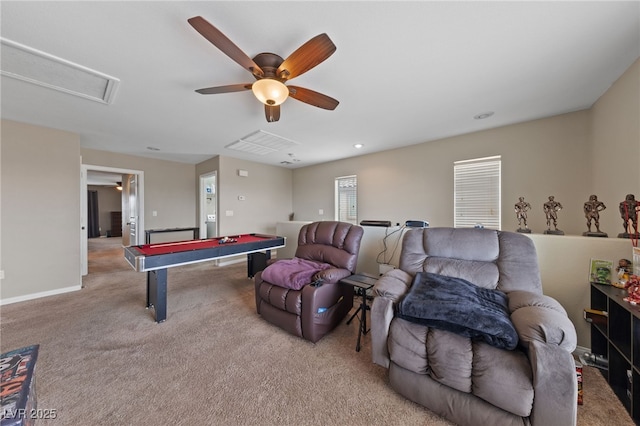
(456, 305)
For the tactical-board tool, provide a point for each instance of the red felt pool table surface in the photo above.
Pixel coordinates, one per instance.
(181, 246)
(155, 259)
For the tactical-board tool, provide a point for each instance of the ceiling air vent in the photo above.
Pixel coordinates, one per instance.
(261, 143)
(37, 67)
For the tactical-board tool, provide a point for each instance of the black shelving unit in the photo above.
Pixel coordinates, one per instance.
(619, 341)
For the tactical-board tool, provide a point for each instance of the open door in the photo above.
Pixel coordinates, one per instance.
(84, 223)
(133, 197)
(130, 215)
(208, 205)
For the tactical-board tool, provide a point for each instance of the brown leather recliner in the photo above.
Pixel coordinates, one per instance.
(313, 311)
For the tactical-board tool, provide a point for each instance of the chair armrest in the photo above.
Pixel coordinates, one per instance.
(537, 317)
(554, 384)
(337, 301)
(332, 275)
(393, 284)
(387, 290)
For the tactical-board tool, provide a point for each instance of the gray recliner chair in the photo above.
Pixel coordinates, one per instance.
(312, 311)
(467, 380)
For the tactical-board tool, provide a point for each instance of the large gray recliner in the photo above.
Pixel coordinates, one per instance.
(468, 381)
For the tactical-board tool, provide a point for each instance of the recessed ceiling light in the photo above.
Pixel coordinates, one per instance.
(358, 145)
(483, 115)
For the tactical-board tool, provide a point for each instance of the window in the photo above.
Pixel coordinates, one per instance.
(347, 199)
(477, 192)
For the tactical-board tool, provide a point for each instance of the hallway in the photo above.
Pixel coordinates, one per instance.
(105, 255)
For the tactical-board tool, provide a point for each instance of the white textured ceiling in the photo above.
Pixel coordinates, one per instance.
(404, 72)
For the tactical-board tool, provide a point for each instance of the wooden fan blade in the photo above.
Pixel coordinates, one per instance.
(272, 113)
(224, 89)
(312, 98)
(306, 57)
(227, 47)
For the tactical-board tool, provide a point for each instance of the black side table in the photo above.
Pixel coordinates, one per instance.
(361, 283)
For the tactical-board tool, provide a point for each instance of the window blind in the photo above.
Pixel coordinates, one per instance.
(477, 188)
(347, 199)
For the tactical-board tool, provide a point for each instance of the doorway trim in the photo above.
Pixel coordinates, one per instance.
(203, 202)
(84, 168)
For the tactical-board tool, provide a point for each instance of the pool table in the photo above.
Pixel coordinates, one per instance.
(155, 259)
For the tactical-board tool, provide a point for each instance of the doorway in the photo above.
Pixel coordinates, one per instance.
(132, 210)
(208, 205)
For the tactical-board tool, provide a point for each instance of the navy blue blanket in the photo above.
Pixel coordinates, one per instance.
(456, 305)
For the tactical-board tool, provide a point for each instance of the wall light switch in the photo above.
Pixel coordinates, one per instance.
(228, 213)
(1, 275)
(155, 213)
(243, 173)
(320, 212)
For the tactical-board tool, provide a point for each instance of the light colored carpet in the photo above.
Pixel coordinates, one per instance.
(104, 361)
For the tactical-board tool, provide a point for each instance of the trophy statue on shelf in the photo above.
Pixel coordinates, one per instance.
(551, 209)
(629, 209)
(521, 208)
(592, 209)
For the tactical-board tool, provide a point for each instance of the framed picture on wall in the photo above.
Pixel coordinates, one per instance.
(600, 271)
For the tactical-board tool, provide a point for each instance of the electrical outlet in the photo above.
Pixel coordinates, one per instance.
(228, 213)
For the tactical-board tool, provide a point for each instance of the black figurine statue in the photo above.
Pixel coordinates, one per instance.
(521, 208)
(592, 209)
(551, 209)
(629, 213)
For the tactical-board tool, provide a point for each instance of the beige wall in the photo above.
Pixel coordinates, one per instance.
(615, 132)
(569, 156)
(40, 187)
(539, 158)
(267, 192)
(168, 187)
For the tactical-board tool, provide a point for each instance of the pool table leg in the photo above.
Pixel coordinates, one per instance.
(157, 293)
(256, 262)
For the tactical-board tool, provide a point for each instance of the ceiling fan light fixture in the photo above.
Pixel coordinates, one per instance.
(270, 91)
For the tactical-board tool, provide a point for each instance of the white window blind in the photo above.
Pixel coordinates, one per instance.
(347, 199)
(477, 192)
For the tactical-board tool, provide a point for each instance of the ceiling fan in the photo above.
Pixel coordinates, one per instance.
(271, 71)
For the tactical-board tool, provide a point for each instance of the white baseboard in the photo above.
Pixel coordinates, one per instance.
(39, 295)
